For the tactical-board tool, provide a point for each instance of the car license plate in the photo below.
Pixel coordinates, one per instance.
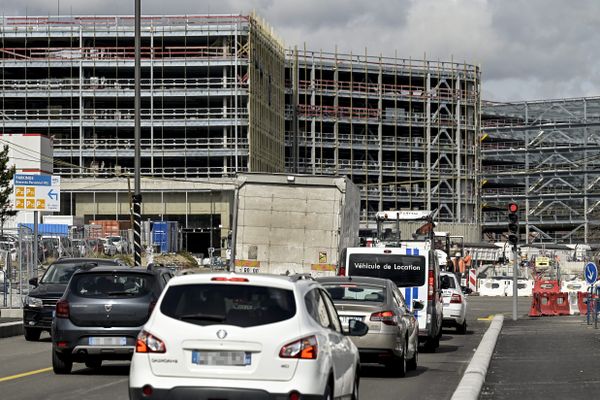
(107, 341)
(226, 358)
(345, 319)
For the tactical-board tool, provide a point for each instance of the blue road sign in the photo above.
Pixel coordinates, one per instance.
(32, 180)
(591, 273)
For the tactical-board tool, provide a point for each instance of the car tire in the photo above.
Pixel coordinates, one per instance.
(462, 329)
(61, 363)
(411, 364)
(93, 363)
(31, 334)
(398, 366)
(328, 395)
(355, 386)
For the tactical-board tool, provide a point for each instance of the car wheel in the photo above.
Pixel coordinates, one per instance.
(462, 329)
(398, 366)
(32, 335)
(328, 395)
(411, 364)
(355, 387)
(93, 363)
(61, 363)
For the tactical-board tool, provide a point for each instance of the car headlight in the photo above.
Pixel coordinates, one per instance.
(33, 302)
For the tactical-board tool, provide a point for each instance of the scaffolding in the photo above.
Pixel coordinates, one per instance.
(404, 130)
(71, 78)
(544, 156)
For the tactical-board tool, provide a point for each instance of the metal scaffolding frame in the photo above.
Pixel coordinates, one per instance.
(71, 78)
(545, 156)
(404, 130)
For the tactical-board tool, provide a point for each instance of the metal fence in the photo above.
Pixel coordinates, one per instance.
(21, 260)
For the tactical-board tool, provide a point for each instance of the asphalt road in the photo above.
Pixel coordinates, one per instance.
(25, 367)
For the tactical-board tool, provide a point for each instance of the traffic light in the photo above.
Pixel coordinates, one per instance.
(513, 224)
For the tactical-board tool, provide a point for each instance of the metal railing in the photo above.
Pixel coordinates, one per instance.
(148, 144)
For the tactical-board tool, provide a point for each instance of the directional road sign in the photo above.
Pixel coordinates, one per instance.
(36, 192)
(591, 273)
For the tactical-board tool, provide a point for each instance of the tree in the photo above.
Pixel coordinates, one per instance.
(6, 188)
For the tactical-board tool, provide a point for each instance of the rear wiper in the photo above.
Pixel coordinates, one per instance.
(203, 317)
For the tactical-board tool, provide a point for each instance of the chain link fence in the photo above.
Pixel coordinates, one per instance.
(19, 260)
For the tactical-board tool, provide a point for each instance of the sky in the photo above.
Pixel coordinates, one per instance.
(527, 49)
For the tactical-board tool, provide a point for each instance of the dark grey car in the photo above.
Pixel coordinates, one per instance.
(101, 313)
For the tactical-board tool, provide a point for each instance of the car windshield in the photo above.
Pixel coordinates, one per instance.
(111, 285)
(356, 292)
(61, 272)
(238, 305)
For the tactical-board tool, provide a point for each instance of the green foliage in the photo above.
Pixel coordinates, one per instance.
(6, 188)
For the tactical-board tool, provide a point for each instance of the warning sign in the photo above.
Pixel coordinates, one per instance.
(322, 257)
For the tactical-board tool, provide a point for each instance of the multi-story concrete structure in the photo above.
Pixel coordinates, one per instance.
(404, 130)
(218, 96)
(544, 156)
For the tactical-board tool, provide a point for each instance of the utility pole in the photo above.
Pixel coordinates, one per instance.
(136, 199)
(513, 238)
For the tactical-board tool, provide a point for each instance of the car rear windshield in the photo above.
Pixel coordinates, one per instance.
(450, 280)
(62, 272)
(356, 293)
(238, 305)
(404, 271)
(111, 285)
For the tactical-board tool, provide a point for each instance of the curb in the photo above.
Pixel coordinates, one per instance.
(474, 376)
(9, 329)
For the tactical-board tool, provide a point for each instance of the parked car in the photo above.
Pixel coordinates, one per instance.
(455, 303)
(219, 335)
(39, 305)
(109, 247)
(393, 338)
(96, 246)
(101, 314)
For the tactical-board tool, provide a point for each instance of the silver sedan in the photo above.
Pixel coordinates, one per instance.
(392, 339)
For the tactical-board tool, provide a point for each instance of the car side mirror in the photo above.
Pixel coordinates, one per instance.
(357, 328)
(417, 305)
(33, 282)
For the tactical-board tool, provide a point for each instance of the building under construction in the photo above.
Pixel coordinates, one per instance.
(405, 131)
(543, 155)
(221, 96)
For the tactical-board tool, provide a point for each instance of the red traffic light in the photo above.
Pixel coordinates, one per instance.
(513, 207)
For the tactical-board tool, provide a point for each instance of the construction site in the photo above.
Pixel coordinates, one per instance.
(222, 96)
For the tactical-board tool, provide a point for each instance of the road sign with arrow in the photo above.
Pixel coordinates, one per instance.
(591, 273)
(36, 192)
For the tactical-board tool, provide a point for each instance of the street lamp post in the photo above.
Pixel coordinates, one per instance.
(137, 195)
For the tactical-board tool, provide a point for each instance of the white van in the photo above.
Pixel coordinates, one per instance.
(414, 268)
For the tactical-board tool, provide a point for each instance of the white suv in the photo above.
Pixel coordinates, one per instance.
(232, 336)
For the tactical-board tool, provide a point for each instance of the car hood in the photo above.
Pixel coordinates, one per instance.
(48, 290)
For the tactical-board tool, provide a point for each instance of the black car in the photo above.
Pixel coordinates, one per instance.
(39, 305)
(101, 314)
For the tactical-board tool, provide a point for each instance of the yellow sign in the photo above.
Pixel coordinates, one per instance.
(323, 267)
(322, 257)
(20, 191)
(30, 203)
(20, 203)
(247, 263)
(40, 203)
(30, 192)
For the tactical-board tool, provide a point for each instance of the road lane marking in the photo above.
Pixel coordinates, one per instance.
(24, 374)
(488, 318)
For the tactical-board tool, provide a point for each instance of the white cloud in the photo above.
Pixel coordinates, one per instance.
(526, 48)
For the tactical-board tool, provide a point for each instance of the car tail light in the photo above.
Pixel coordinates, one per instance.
(294, 396)
(148, 343)
(147, 390)
(387, 317)
(226, 279)
(62, 309)
(456, 298)
(430, 289)
(305, 348)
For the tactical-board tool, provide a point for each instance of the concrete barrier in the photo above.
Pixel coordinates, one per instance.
(474, 376)
(8, 329)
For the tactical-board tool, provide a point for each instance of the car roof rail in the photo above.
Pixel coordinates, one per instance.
(153, 266)
(297, 277)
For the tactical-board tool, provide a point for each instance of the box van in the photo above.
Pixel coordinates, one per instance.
(414, 268)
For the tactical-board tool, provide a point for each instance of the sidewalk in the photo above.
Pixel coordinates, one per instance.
(545, 358)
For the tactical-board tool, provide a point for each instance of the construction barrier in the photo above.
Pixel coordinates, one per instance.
(546, 286)
(546, 304)
(561, 303)
(573, 303)
(472, 280)
(582, 302)
(535, 310)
